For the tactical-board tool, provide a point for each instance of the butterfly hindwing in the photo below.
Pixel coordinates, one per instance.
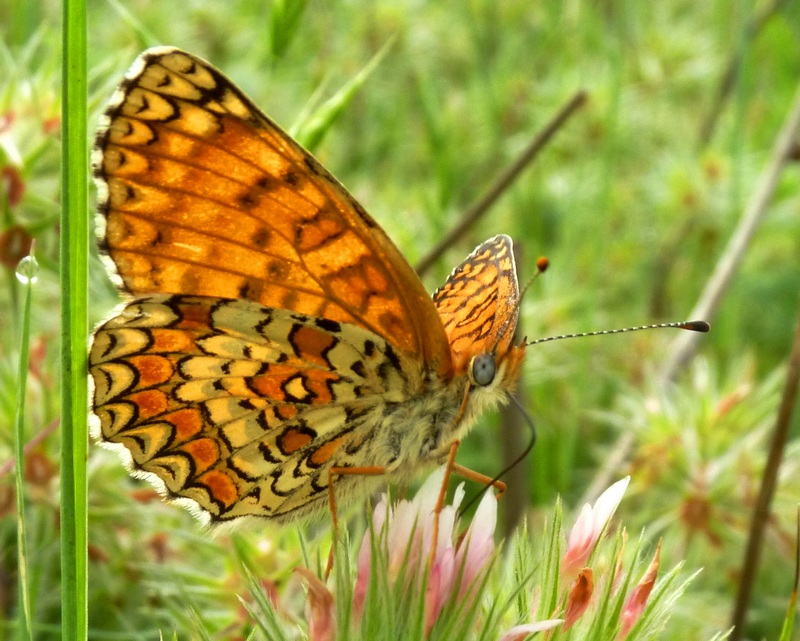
(238, 407)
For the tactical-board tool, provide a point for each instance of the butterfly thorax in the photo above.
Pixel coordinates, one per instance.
(418, 432)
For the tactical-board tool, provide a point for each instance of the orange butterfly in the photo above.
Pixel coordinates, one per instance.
(275, 332)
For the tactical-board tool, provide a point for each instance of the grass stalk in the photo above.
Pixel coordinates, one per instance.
(791, 610)
(74, 321)
(685, 346)
(27, 273)
(728, 78)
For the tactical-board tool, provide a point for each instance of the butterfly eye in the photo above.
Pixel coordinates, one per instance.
(482, 369)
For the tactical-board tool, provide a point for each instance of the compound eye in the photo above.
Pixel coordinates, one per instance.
(482, 369)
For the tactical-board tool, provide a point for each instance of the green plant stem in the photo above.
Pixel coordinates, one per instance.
(733, 68)
(74, 322)
(23, 591)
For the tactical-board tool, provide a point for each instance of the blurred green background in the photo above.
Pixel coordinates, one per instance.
(633, 203)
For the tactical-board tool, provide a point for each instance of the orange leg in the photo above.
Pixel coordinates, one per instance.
(376, 470)
(465, 472)
(451, 467)
(477, 477)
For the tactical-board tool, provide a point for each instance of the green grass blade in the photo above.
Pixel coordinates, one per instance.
(311, 132)
(74, 322)
(284, 19)
(27, 274)
(262, 610)
(788, 622)
(791, 611)
(144, 36)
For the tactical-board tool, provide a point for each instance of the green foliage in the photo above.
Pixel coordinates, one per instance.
(631, 208)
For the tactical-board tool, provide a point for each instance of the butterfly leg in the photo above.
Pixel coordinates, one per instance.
(372, 470)
(464, 472)
(449, 466)
(477, 477)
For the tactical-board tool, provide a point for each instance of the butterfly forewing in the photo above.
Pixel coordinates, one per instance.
(203, 194)
(478, 304)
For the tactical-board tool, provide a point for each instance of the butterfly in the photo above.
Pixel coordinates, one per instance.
(271, 332)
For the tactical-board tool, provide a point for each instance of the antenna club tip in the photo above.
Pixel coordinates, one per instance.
(542, 263)
(696, 326)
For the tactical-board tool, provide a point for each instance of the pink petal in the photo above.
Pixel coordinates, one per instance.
(380, 514)
(608, 502)
(478, 545)
(404, 539)
(580, 542)
(409, 539)
(590, 524)
(447, 523)
(440, 586)
(425, 500)
(519, 632)
(447, 526)
(363, 566)
(379, 517)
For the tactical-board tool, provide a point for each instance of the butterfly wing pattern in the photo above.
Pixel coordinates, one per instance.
(271, 330)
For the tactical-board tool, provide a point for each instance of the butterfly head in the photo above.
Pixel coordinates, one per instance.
(491, 381)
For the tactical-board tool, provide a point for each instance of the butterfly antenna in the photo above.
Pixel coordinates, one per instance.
(542, 263)
(692, 326)
(513, 463)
